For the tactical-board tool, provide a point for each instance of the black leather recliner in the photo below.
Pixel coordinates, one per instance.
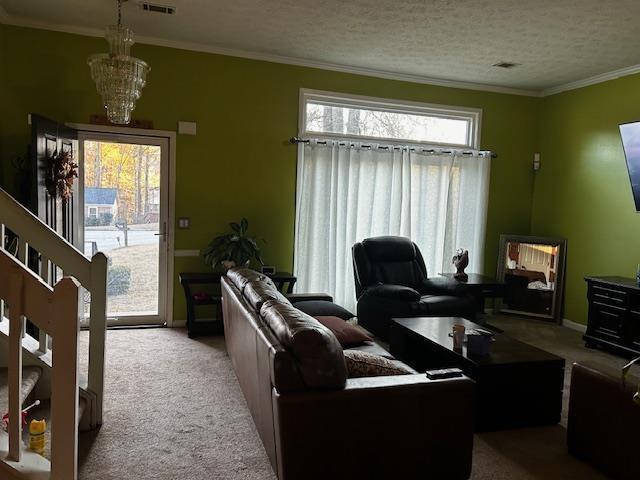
(391, 281)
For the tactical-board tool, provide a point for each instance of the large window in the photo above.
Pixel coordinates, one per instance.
(356, 117)
(370, 167)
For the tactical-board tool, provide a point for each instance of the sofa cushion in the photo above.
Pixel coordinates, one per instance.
(241, 276)
(347, 334)
(324, 308)
(258, 292)
(365, 364)
(316, 350)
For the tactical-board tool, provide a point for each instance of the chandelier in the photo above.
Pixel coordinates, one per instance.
(119, 77)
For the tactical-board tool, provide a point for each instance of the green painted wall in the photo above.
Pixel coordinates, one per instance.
(240, 164)
(2, 102)
(582, 191)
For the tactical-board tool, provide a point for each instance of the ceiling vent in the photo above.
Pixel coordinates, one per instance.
(506, 64)
(154, 7)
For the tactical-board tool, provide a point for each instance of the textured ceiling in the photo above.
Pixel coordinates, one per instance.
(556, 41)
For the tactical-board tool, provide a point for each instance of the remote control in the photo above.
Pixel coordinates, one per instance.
(444, 373)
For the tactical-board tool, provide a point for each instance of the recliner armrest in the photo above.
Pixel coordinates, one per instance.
(304, 297)
(443, 286)
(396, 292)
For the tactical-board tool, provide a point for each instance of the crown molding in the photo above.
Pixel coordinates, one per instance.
(267, 57)
(8, 19)
(603, 77)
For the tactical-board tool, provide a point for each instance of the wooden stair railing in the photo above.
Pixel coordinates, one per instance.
(54, 253)
(55, 311)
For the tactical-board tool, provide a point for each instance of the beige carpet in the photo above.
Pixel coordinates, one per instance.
(174, 410)
(537, 453)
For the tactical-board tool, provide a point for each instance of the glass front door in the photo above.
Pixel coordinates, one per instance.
(124, 216)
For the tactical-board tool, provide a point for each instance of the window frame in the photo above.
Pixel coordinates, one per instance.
(472, 115)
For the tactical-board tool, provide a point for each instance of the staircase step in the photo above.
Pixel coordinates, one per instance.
(29, 344)
(30, 377)
(31, 467)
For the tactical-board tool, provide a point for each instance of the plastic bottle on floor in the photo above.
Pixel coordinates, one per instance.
(37, 429)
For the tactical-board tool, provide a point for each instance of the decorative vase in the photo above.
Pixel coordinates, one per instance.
(461, 261)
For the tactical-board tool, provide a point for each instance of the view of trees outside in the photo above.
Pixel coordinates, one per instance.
(122, 207)
(133, 170)
(386, 124)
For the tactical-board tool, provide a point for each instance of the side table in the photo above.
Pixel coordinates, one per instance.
(282, 280)
(202, 326)
(197, 325)
(481, 287)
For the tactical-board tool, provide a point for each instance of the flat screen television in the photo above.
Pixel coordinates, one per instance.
(630, 133)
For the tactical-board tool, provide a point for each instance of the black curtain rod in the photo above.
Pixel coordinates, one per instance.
(296, 140)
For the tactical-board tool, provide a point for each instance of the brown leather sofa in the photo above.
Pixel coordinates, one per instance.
(604, 423)
(314, 422)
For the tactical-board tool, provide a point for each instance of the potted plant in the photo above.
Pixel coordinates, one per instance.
(233, 249)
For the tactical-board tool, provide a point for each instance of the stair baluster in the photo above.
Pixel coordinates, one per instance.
(54, 311)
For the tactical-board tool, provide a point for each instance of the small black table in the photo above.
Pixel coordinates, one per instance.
(203, 325)
(481, 287)
(196, 326)
(282, 280)
(517, 385)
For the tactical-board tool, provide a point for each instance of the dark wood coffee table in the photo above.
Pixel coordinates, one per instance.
(517, 385)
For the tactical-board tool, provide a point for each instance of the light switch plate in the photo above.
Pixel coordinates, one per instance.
(184, 223)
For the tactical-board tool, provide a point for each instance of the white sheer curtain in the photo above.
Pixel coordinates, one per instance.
(348, 191)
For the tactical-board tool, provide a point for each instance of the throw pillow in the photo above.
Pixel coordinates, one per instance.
(363, 364)
(323, 308)
(348, 335)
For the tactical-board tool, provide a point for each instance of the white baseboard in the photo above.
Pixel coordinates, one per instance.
(179, 324)
(574, 326)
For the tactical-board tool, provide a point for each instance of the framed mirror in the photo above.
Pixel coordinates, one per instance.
(532, 270)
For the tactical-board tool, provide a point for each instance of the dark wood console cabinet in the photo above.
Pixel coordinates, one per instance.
(614, 314)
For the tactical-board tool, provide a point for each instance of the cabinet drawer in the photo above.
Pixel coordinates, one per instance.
(634, 329)
(608, 296)
(607, 321)
(634, 302)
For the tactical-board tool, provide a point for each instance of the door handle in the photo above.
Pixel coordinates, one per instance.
(162, 233)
